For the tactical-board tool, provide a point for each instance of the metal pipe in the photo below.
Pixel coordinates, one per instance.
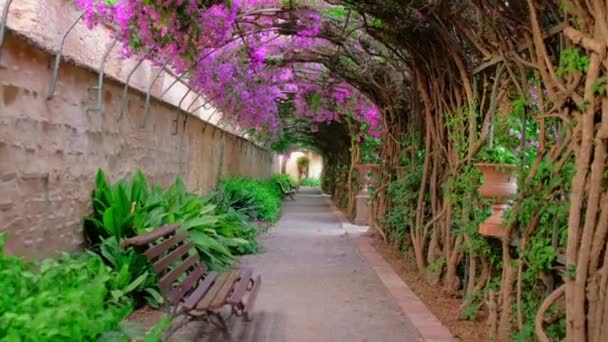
(53, 84)
(201, 106)
(148, 94)
(177, 79)
(4, 23)
(125, 91)
(99, 107)
(192, 103)
(179, 105)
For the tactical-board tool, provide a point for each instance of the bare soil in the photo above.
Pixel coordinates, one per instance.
(443, 305)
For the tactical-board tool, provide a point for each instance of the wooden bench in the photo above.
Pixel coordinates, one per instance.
(201, 295)
(296, 188)
(287, 192)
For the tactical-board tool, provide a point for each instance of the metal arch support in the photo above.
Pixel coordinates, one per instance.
(53, 85)
(144, 120)
(176, 80)
(208, 123)
(99, 87)
(179, 105)
(198, 96)
(125, 92)
(4, 23)
(199, 107)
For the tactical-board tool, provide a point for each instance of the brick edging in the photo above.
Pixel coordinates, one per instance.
(429, 327)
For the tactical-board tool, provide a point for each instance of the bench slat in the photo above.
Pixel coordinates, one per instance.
(142, 240)
(241, 286)
(192, 300)
(167, 281)
(182, 289)
(219, 282)
(220, 297)
(165, 262)
(157, 250)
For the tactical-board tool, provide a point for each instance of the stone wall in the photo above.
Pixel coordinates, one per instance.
(45, 22)
(51, 150)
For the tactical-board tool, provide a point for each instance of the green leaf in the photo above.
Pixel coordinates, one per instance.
(155, 295)
(204, 221)
(136, 283)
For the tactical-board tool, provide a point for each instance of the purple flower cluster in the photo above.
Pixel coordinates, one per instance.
(535, 94)
(228, 66)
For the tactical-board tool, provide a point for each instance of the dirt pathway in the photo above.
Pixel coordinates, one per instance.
(316, 286)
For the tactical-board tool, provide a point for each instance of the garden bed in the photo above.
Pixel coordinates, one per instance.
(90, 295)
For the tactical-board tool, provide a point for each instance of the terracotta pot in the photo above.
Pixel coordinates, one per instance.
(499, 185)
(362, 171)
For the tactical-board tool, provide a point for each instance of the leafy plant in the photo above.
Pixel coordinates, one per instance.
(135, 277)
(114, 208)
(310, 182)
(129, 207)
(266, 195)
(497, 155)
(58, 299)
(572, 60)
(403, 193)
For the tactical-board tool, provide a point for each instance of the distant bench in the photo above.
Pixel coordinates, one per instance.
(291, 192)
(201, 295)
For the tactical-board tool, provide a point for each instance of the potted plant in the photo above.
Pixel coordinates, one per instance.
(366, 173)
(497, 164)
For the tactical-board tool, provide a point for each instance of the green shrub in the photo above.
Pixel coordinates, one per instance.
(266, 195)
(131, 207)
(310, 182)
(72, 298)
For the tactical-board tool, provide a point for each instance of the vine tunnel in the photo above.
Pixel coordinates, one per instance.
(427, 90)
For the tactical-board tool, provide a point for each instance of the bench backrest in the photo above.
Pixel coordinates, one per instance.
(168, 250)
(282, 187)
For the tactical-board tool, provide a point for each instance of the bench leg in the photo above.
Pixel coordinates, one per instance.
(220, 323)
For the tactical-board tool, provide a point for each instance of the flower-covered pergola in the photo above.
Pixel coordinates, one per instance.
(241, 56)
(445, 84)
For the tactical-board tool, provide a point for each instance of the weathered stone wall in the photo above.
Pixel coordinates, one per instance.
(51, 150)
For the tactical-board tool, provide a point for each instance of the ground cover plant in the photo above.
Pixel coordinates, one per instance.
(76, 298)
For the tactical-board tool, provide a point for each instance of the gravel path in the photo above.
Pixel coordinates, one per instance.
(315, 286)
